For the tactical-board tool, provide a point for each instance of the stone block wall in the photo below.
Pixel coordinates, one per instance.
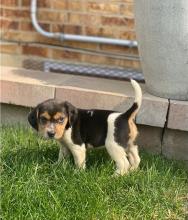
(108, 18)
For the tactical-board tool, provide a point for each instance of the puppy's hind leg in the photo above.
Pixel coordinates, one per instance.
(118, 154)
(133, 156)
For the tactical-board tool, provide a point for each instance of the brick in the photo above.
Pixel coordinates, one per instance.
(73, 29)
(129, 64)
(45, 40)
(110, 61)
(119, 50)
(117, 21)
(127, 10)
(51, 16)
(69, 29)
(1, 11)
(103, 7)
(35, 51)
(9, 12)
(103, 60)
(92, 31)
(134, 51)
(75, 5)
(175, 144)
(115, 48)
(41, 4)
(136, 65)
(25, 94)
(127, 35)
(88, 58)
(28, 26)
(9, 24)
(10, 48)
(59, 5)
(67, 55)
(103, 32)
(20, 36)
(178, 115)
(108, 32)
(44, 4)
(128, 1)
(81, 45)
(9, 2)
(26, 3)
(15, 13)
(84, 19)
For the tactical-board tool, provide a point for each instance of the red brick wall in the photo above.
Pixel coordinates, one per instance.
(108, 18)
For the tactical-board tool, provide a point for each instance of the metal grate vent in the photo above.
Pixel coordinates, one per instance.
(78, 69)
(86, 70)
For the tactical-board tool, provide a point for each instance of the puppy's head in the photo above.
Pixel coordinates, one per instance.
(51, 118)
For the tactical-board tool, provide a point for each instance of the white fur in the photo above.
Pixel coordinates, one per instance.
(138, 93)
(78, 151)
(116, 152)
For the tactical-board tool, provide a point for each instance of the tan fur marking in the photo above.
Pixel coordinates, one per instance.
(46, 115)
(60, 128)
(133, 129)
(58, 115)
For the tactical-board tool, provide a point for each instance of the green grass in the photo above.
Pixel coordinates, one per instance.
(33, 187)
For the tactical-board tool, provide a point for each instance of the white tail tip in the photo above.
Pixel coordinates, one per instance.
(138, 92)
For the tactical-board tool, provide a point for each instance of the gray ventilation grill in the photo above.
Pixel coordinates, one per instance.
(93, 71)
(86, 70)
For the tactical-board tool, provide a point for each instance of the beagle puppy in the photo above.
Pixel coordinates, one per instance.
(79, 129)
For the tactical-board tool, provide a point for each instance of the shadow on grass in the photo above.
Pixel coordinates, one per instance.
(95, 158)
(41, 156)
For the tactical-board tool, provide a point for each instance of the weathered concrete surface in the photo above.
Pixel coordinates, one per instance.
(178, 115)
(28, 88)
(175, 144)
(84, 98)
(153, 111)
(149, 138)
(25, 94)
(14, 114)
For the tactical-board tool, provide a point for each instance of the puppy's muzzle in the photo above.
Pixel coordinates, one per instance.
(51, 134)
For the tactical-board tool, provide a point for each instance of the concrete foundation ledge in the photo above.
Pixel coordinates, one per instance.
(175, 144)
(22, 89)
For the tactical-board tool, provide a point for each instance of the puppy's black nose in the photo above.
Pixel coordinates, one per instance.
(51, 134)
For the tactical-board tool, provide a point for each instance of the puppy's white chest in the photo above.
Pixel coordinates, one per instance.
(67, 137)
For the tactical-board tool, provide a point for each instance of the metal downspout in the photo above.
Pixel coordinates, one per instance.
(71, 37)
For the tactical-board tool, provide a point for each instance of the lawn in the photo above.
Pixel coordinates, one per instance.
(34, 187)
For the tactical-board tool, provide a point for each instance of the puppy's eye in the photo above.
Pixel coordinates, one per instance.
(43, 120)
(60, 120)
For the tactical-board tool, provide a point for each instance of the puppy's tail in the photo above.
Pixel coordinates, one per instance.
(137, 102)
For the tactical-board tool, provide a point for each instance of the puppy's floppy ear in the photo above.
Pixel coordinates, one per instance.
(33, 117)
(71, 111)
